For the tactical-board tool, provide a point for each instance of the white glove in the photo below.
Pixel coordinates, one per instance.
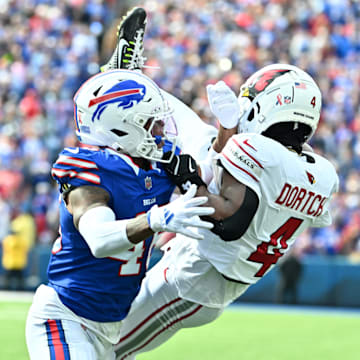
(224, 104)
(181, 214)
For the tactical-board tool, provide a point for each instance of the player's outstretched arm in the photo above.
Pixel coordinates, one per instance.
(181, 215)
(107, 236)
(235, 206)
(225, 106)
(97, 223)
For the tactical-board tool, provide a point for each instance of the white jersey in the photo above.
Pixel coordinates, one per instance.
(294, 192)
(195, 136)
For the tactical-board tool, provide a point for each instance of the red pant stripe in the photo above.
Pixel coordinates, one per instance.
(148, 318)
(162, 330)
(57, 345)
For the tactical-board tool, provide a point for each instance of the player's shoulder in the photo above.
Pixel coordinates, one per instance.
(77, 157)
(321, 160)
(243, 158)
(90, 154)
(80, 165)
(326, 170)
(76, 166)
(83, 158)
(264, 151)
(89, 158)
(87, 164)
(256, 142)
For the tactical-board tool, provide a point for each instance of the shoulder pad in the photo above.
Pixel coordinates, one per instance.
(76, 167)
(242, 157)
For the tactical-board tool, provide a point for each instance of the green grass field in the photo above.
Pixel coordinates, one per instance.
(243, 334)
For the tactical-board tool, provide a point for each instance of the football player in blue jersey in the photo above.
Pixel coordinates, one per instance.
(114, 199)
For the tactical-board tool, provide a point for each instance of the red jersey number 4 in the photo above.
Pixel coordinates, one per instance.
(279, 237)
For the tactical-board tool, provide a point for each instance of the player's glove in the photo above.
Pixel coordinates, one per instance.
(224, 104)
(180, 215)
(183, 171)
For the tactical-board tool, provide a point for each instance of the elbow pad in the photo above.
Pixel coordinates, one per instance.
(104, 235)
(235, 226)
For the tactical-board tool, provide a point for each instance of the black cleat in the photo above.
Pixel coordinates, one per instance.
(129, 48)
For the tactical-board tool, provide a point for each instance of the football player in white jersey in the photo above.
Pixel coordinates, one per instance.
(265, 188)
(266, 191)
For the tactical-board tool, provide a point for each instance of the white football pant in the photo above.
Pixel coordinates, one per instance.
(157, 313)
(54, 332)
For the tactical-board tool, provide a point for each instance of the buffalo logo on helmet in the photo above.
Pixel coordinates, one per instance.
(126, 93)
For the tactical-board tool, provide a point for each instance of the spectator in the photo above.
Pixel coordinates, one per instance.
(48, 48)
(15, 249)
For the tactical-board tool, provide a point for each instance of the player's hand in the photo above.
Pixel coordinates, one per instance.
(224, 104)
(183, 171)
(181, 215)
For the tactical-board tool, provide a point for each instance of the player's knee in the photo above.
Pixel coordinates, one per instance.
(204, 316)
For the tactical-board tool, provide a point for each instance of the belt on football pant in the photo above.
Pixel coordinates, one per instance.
(233, 280)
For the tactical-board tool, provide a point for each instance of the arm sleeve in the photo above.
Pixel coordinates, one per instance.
(233, 227)
(104, 235)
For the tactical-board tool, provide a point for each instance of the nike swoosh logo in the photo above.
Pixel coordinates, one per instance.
(190, 167)
(165, 271)
(74, 151)
(246, 142)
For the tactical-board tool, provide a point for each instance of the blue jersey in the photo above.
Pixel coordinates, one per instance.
(102, 289)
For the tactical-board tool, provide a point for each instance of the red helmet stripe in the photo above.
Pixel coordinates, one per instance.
(113, 95)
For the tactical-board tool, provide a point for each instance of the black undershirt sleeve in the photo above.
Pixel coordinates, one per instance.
(233, 227)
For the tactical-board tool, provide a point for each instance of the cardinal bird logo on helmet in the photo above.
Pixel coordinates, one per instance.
(259, 82)
(126, 93)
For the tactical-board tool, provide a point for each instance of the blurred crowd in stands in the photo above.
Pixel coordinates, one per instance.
(48, 48)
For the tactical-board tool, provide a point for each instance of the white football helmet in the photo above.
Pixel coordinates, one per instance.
(279, 93)
(118, 109)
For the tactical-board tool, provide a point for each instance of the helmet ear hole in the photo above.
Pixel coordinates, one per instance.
(119, 132)
(251, 115)
(252, 112)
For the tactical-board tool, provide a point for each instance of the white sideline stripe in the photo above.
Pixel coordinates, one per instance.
(20, 296)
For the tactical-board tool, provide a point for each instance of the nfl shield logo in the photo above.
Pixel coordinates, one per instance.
(287, 99)
(148, 182)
